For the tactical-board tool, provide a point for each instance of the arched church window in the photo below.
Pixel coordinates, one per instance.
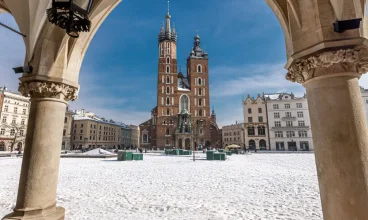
(199, 68)
(167, 100)
(168, 48)
(199, 81)
(167, 111)
(168, 60)
(184, 103)
(200, 102)
(167, 90)
(200, 91)
(161, 50)
(167, 79)
(167, 69)
(145, 138)
(200, 112)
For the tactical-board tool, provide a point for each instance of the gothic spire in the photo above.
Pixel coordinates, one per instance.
(168, 33)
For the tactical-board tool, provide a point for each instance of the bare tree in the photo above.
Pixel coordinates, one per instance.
(17, 135)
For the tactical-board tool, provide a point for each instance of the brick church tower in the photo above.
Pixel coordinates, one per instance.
(182, 117)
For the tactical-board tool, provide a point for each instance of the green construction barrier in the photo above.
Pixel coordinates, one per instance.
(176, 152)
(137, 156)
(181, 152)
(209, 155)
(125, 155)
(221, 150)
(229, 153)
(219, 156)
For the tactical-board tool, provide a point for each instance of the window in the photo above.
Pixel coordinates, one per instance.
(168, 48)
(167, 131)
(200, 91)
(168, 60)
(199, 102)
(250, 119)
(301, 123)
(300, 115)
(259, 110)
(200, 112)
(24, 111)
(2, 132)
(65, 119)
(145, 138)
(184, 103)
(302, 133)
(23, 121)
(260, 118)
(276, 115)
(81, 131)
(164, 123)
(199, 68)
(277, 124)
(299, 105)
(4, 119)
(287, 105)
(275, 106)
(167, 100)
(249, 111)
(90, 126)
(64, 132)
(261, 130)
(251, 131)
(167, 111)
(288, 114)
(14, 121)
(289, 123)
(6, 108)
(167, 90)
(167, 79)
(279, 134)
(15, 110)
(290, 134)
(12, 132)
(201, 131)
(81, 125)
(199, 81)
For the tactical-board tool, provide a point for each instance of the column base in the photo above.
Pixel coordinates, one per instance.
(54, 213)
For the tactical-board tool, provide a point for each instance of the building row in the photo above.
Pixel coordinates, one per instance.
(81, 129)
(276, 122)
(272, 122)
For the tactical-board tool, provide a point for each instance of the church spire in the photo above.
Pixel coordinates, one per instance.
(168, 33)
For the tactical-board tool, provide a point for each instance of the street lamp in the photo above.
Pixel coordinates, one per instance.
(69, 16)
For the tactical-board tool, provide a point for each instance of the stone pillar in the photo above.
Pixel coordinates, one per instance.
(339, 128)
(40, 167)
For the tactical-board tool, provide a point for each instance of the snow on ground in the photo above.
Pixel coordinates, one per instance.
(254, 187)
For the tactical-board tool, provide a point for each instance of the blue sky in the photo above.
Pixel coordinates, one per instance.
(119, 73)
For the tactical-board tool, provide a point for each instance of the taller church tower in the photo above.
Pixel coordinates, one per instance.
(167, 106)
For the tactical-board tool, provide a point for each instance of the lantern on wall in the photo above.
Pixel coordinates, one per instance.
(70, 16)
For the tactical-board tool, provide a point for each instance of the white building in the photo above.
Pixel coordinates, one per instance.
(289, 123)
(364, 93)
(233, 134)
(255, 123)
(14, 113)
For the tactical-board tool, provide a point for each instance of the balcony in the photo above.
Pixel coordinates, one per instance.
(288, 118)
(290, 128)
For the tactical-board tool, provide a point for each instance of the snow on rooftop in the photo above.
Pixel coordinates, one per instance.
(256, 186)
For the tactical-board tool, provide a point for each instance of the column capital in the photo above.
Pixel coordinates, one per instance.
(45, 89)
(329, 63)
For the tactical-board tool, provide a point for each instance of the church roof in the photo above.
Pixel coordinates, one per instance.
(183, 84)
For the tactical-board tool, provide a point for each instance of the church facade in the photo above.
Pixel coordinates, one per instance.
(182, 118)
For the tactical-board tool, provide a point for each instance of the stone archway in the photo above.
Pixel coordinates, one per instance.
(56, 60)
(2, 146)
(187, 144)
(262, 145)
(252, 144)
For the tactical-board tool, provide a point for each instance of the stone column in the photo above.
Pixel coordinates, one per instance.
(40, 167)
(339, 129)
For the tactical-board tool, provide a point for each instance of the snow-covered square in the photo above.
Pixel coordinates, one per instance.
(254, 187)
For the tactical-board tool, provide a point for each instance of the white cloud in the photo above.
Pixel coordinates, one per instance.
(253, 79)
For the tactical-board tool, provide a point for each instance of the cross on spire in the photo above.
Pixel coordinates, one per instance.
(168, 6)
